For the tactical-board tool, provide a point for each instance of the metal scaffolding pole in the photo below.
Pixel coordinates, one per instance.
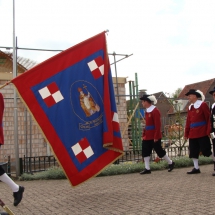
(130, 113)
(15, 97)
(138, 114)
(117, 88)
(134, 118)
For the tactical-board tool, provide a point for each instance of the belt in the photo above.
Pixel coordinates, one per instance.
(150, 127)
(196, 124)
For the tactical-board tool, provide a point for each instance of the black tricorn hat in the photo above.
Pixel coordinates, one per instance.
(149, 98)
(194, 92)
(212, 91)
(145, 98)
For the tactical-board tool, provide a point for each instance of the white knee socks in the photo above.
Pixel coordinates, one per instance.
(7, 180)
(167, 159)
(146, 161)
(196, 163)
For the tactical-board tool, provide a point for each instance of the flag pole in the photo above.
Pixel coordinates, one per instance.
(4, 85)
(126, 126)
(6, 208)
(15, 97)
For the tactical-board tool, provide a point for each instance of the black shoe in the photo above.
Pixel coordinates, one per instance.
(145, 171)
(213, 174)
(194, 171)
(18, 195)
(4, 213)
(171, 166)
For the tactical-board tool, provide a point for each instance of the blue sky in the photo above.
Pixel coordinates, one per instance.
(173, 41)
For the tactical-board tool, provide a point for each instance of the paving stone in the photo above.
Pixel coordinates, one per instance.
(159, 193)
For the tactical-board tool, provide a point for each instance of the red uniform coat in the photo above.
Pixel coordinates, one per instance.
(1, 118)
(201, 114)
(153, 119)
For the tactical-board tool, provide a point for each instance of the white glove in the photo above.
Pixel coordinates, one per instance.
(212, 135)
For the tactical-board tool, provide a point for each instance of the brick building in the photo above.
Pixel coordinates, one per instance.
(204, 86)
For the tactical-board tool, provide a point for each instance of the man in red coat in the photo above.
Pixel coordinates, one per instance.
(17, 190)
(212, 119)
(197, 128)
(152, 134)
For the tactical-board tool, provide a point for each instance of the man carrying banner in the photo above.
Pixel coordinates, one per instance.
(152, 134)
(212, 119)
(17, 190)
(197, 128)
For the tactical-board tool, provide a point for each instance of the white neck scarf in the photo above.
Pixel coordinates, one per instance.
(196, 105)
(150, 109)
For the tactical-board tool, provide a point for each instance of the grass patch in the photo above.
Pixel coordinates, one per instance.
(52, 173)
(123, 168)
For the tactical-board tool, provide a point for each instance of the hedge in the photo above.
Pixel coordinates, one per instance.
(118, 169)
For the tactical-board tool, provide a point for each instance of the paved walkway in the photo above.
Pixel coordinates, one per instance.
(131, 194)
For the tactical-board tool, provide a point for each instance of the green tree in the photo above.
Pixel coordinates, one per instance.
(175, 130)
(176, 93)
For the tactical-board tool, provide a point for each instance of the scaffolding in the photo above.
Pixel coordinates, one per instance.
(133, 111)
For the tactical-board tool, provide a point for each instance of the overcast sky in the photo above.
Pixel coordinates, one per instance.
(172, 41)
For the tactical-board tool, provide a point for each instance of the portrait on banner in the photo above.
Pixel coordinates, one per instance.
(87, 102)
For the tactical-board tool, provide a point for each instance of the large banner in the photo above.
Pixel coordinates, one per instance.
(72, 99)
